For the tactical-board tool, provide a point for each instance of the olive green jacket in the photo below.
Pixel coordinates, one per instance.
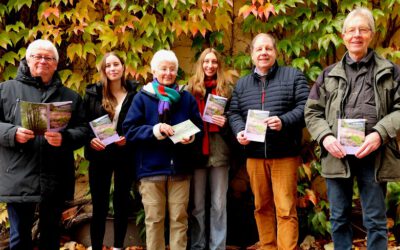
(325, 103)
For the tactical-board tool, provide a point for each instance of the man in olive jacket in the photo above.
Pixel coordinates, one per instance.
(37, 170)
(360, 86)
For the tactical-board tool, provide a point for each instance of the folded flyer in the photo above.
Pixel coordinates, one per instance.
(182, 130)
(215, 105)
(42, 117)
(256, 128)
(104, 130)
(351, 134)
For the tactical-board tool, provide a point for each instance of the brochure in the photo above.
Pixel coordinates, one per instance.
(182, 130)
(255, 127)
(104, 130)
(215, 105)
(351, 134)
(42, 117)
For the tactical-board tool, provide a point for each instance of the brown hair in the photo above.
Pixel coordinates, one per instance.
(109, 102)
(196, 82)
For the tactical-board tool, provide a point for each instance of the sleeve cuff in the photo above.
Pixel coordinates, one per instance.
(157, 133)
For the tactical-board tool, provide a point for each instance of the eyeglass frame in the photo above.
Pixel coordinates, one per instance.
(38, 58)
(361, 30)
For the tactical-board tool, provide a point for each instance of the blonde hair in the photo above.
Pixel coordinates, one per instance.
(109, 102)
(196, 82)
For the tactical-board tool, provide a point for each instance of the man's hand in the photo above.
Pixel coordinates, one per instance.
(371, 143)
(23, 135)
(274, 123)
(53, 138)
(242, 139)
(96, 144)
(332, 145)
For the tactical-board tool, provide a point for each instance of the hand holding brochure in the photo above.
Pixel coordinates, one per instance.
(182, 130)
(104, 130)
(215, 105)
(42, 117)
(255, 127)
(351, 134)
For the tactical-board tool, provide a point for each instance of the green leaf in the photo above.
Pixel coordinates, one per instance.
(301, 63)
(135, 8)
(64, 75)
(9, 58)
(10, 72)
(89, 48)
(16, 27)
(74, 81)
(115, 3)
(5, 40)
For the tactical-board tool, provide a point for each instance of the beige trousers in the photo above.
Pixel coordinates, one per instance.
(155, 195)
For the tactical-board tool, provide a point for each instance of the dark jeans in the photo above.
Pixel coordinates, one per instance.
(372, 194)
(100, 176)
(21, 216)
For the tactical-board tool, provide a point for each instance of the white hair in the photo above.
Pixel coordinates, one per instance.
(164, 56)
(363, 12)
(42, 44)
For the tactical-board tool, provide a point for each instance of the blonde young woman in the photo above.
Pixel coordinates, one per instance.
(112, 96)
(213, 167)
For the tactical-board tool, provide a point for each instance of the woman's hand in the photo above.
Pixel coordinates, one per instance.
(187, 140)
(96, 144)
(219, 120)
(166, 129)
(121, 141)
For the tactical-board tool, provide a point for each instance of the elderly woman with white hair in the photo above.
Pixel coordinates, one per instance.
(162, 167)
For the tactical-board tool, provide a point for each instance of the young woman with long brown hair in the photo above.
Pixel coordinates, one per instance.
(112, 96)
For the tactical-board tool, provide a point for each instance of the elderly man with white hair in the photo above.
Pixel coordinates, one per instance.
(37, 171)
(362, 86)
(162, 167)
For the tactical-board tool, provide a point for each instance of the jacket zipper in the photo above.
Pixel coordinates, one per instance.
(262, 108)
(17, 101)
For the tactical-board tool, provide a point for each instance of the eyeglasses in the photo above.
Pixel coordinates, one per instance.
(362, 31)
(38, 58)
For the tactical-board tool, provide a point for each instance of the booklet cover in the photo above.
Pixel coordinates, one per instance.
(104, 129)
(182, 130)
(255, 127)
(215, 105)
(42, 117)
(351, 134)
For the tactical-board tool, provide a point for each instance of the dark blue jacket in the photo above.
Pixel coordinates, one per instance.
(160, 157)
(286, 92)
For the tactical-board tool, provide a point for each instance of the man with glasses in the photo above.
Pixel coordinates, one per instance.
(37, 171)
(363, 86)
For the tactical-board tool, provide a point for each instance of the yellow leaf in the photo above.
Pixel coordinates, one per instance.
(307, 169)
(245, 10)
(74, 49)
(311, 196)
